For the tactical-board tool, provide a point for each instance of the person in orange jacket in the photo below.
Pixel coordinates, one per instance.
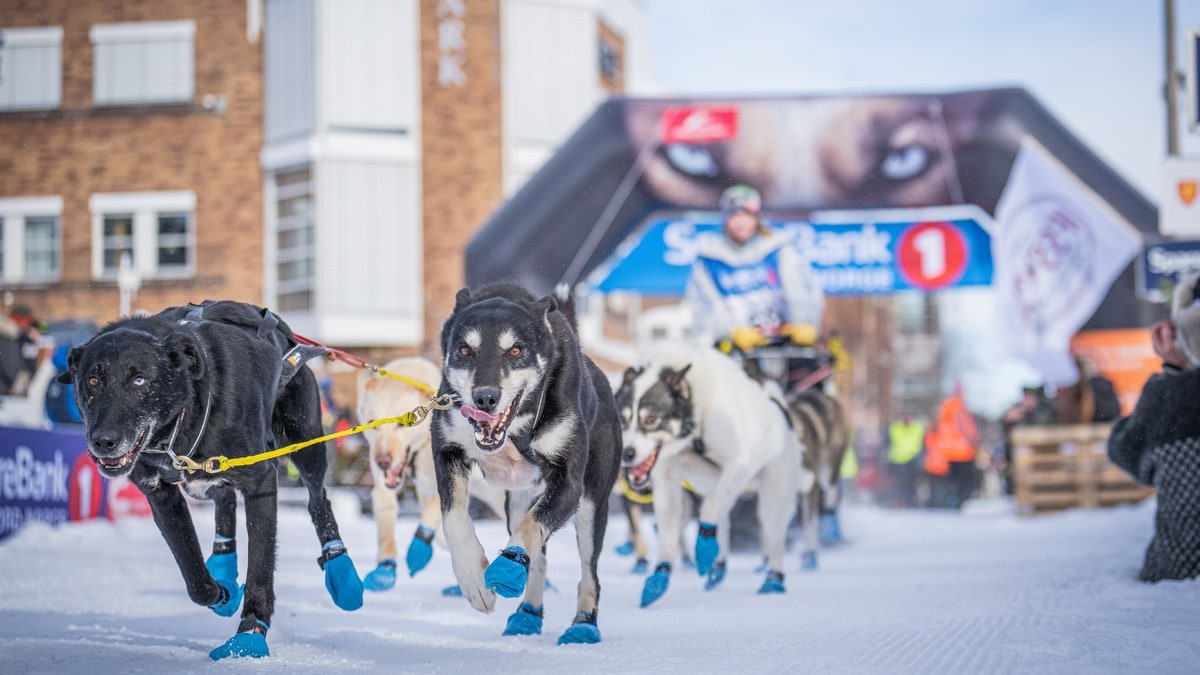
(950, 447)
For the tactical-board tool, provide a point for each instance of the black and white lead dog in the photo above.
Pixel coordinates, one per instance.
(538, 418)
(198, 382)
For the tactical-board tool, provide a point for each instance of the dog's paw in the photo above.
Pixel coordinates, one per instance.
(341, 579)
(454, 591)
(583, 631)
(223, 566)
(382, 578)
(472, 587)
(808, 561)
(715, 575)
(773, 583)
(640, 566)
(707, 548)
(508, 573)
(230, 600)
(243, 645)
(656, 584)
(420, 551)
(625, 549)
(527, 620)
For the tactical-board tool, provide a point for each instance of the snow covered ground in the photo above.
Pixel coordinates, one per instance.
(983, 591)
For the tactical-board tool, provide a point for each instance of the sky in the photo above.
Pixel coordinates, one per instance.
(920, 591)
(1096, 64)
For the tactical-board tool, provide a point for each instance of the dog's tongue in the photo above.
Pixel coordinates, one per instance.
(478, 415)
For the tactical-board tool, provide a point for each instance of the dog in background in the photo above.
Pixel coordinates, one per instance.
(191, 384)
(695, 415)
(822, 426)
(399, 454)
(537, 417)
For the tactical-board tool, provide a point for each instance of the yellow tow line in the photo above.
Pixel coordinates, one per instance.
(408, 419)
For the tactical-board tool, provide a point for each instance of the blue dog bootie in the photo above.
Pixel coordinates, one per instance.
(420, 550)
(706, 548)
(252, 644)
(223, 566)
(341, 579)
(583, 630)
(715, 576)
(831, 528)
(656, 584)
(508, 573)
(527, 620)
(773, 583)
(382, 578)
(808, 561)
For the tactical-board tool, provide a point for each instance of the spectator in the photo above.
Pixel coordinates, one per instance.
(954, 439)
(31, 346)
(1159, 443)
(906, 438)
(10, 354)
(1033, 408)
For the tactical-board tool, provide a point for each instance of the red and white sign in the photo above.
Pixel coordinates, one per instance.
(699, 125)
(932, 255)
(1179, 208)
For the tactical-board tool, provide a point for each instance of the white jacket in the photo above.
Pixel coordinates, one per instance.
(765, 283)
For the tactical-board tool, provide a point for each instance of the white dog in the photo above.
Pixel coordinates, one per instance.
(693, 414)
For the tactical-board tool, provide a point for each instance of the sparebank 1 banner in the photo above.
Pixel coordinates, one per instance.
(47, 476)
(852, 252)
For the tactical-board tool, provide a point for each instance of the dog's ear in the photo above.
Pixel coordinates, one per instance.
(73, 356)
(632, 373)
(462, 298)
(545, 306)
(184, 354)
(676, 380)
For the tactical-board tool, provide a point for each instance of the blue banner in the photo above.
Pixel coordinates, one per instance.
(1160, 266)
(859, 253)
(47, 476)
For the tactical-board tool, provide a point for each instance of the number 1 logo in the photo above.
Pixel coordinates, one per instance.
(932, 255)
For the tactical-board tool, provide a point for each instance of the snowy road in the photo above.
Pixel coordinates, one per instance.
(912, 592)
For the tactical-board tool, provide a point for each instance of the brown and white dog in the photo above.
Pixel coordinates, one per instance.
(399, 454)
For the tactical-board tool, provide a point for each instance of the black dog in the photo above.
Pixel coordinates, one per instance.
(538, 418)
(195, 383)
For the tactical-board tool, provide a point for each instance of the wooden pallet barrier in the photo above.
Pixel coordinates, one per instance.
(1062, 467)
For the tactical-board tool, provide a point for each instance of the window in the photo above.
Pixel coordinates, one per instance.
(157, 230)
(138, 63)
(30, 239)
(30, 68)
(294, 240)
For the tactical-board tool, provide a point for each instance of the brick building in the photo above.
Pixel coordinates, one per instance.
(326, 159)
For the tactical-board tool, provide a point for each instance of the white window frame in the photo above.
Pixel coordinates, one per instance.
(13, 212)
(134, 45)
(299, 253)
(43, 45)
(145, 208)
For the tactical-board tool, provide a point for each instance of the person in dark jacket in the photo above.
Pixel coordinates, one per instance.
(1159, 443)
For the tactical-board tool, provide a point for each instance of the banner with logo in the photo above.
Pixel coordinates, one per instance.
(852, 252)
(699, 124)
(1057, 249)
(47, 476)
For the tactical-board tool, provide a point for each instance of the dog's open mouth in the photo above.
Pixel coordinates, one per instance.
(638, 476)
(491, 430)
(121, 463)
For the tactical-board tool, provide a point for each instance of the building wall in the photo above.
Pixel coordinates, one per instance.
(461, 145)
(79, 150)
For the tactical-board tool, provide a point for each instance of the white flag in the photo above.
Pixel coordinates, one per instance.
(1057, 249)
